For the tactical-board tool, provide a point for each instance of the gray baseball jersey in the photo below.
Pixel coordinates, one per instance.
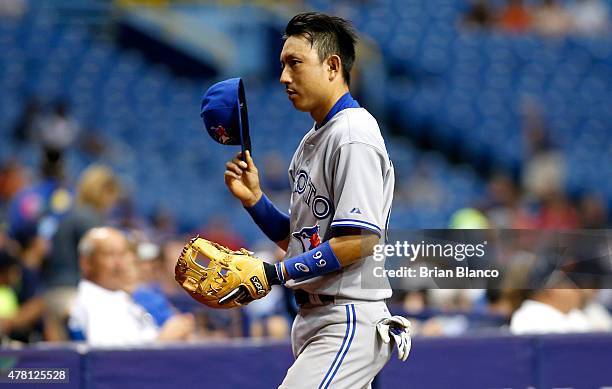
(341, 176)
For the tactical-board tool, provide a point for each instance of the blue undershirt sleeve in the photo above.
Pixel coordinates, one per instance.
(270, 220)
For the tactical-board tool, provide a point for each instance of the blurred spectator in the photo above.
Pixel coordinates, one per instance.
(544, 168)
(498, 303)
(37, 209)
(551, 19)
(414, 301)
(598, 317)
(514, 286)
(164, 225)
(9, 278)
(104, 314)
(13, 178)
(550, 311)
(593, 212)
(268, 317)
(515, 17)
(479, 15)
(453, 300)
(34, 214)
(141, 281)
(218, 230)
(126, 217)
(27, 325)
(59, 130)
(13, 8)
(469, 218)
(170, 251)
(21, 304)
(29, 122)
(502, 202)
(552, 302)
(590, 16)
(444, 325)
(556, 212)
(92, 143)
(97, 192)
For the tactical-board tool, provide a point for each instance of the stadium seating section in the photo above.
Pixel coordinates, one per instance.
(463, 88)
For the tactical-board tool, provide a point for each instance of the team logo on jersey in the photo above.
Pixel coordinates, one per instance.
(308, 237)
(356, 210)
(221, 134)
(320, 206)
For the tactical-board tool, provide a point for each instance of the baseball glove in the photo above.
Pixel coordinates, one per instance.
(231, 278)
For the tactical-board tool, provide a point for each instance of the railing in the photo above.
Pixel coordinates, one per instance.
(537, 362)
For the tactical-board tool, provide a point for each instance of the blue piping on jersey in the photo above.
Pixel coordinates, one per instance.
(350, 322)
(362, 226)
(344, 102)
(354, 222)
(348, 347)
(387, 225)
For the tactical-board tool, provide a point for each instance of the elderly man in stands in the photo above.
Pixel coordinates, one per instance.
(103, 313)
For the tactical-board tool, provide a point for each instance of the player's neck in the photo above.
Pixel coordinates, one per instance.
(319, 114)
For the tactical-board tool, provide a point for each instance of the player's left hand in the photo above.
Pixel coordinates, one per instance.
(229, 279)
(397, 327)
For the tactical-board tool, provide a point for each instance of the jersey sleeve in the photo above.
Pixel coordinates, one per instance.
(358, 187)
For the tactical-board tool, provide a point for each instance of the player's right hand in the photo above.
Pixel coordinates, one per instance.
(396, 328)
(242, 179)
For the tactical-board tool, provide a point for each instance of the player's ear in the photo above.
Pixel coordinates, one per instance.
(334, 64)
(85, 265)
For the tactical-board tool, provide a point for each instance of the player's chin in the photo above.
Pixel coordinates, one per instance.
(299, 103)
(294, 98)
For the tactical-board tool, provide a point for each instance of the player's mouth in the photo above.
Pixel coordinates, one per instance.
(291, 94)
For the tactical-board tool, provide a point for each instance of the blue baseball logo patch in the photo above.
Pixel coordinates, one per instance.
(308, 237)
(221, 134)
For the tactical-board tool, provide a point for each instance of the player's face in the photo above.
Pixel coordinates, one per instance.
(305, 78)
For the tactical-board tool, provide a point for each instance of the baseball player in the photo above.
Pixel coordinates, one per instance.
(342, 181)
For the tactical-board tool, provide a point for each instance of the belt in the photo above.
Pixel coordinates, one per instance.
(303, 298)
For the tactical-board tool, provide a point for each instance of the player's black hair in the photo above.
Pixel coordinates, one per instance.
(329, 34)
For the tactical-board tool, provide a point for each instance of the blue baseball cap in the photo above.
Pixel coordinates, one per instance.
(225, 115)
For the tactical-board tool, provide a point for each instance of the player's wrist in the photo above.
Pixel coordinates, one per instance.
(272, 275)
(316, 262)
(251, 201)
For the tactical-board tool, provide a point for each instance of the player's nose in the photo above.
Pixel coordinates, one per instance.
(285, 78)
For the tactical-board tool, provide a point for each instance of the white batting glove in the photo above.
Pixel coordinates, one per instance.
(397, 327)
